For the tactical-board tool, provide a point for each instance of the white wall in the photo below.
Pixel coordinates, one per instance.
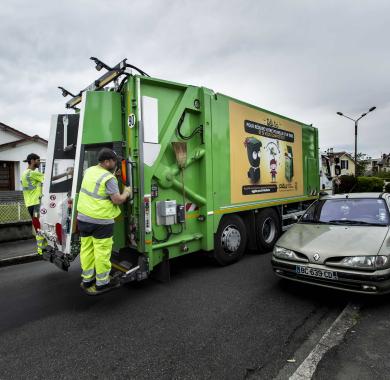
(325, 183)
(6, 137)
(19, 153)
(351, 166)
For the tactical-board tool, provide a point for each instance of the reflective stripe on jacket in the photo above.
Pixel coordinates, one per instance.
(93, 200)
(32, 187)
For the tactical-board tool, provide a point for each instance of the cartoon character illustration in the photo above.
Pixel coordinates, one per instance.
(253, 146)
(273, 172)
(273, 148)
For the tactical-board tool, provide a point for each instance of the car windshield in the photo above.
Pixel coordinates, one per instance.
(369, 211)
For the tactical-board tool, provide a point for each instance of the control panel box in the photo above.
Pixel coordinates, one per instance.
(166, 213)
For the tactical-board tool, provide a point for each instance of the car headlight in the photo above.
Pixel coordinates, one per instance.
(283, 253)
(366, 262)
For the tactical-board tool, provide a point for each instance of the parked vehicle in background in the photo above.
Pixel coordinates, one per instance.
(342, 242)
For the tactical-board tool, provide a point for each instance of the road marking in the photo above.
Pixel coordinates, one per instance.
(333, 336)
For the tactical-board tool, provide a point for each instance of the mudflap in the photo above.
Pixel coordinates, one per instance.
(162, 272)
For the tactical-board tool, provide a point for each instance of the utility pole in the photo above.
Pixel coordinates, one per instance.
(356, 121)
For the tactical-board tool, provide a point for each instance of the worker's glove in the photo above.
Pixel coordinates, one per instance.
(127, 190)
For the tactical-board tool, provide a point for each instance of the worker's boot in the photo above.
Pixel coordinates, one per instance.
(87, 284)
(114, 283)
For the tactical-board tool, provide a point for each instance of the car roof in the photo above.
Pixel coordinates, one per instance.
(356, 196)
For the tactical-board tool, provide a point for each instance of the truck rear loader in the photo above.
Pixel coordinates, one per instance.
(208, 172)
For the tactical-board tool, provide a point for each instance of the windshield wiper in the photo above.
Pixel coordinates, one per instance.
(313, 222)
(355, 222)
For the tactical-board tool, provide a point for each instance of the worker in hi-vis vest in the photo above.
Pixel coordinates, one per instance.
(32, 181)
(97, 208)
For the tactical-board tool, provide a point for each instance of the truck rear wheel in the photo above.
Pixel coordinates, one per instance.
(267, 229)
(230, 240)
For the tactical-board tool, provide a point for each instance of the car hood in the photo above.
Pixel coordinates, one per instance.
(330, 240)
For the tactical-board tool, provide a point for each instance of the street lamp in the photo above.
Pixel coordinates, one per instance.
(356, 127)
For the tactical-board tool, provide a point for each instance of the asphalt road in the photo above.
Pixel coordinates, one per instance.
(214, 322)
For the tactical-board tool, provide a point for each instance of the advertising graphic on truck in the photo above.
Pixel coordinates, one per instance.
(261, 147)
(207, 172)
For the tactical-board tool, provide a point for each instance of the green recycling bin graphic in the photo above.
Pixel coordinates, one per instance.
(289, 164)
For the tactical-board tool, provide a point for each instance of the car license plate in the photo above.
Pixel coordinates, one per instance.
(313, 272)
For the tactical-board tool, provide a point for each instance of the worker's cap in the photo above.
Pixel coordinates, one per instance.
(107, 154)
(31, 156)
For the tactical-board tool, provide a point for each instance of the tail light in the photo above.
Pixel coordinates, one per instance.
(36, 223)
(59, 232)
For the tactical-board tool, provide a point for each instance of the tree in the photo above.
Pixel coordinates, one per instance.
(362, 161)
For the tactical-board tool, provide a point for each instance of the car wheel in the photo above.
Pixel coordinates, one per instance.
(267, 229)
(230, 240)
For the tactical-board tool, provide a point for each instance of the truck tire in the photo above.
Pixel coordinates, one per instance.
(230, 240)
(267, 229)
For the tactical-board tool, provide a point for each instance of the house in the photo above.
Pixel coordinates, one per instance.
(371, 166)
(375, 166)
(329, 160)
(383, 164)
(344, 159)
(14, 148)
(346, 162)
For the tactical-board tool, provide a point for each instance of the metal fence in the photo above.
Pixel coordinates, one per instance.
(12, 207)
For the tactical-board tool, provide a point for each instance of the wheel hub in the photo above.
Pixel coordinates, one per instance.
(230, 239)
(268, 230)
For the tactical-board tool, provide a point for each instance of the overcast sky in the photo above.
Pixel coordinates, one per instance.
(303, 59)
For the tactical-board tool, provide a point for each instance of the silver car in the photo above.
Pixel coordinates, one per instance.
(341, 241)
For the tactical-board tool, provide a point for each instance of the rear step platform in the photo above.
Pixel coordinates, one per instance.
(92, 291)
(59, 259)
(129, 265)
(123, 262)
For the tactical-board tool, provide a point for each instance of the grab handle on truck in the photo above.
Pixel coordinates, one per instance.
(127, 175)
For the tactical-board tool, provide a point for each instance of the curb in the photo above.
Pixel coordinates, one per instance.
(333, 337)
(19, 260)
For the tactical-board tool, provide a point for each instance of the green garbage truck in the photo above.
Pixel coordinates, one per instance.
(208, 172)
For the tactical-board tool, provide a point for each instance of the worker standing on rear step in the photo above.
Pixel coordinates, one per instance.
(97, 208)
(32, 181)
